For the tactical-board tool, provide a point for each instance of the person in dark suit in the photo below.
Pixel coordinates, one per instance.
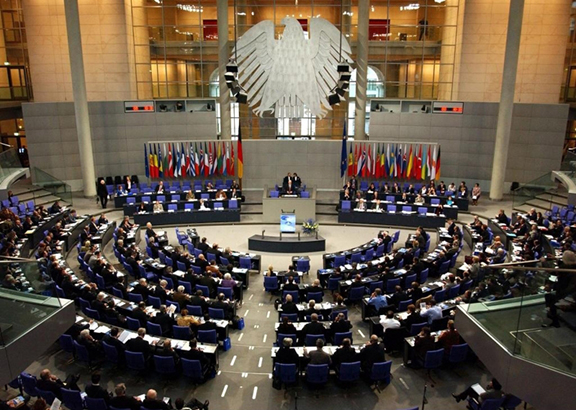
(288, 179)
(160, 291)
(312, 328)
(202, 263)
(289, 306)
(138, 344)
(412, 318)
(51, 383)
(297, 181)
(203, 246)
(112, 339)
(340, 325)
(372, 353)
(195, 354)
(121, 401)
(423, 343)
(345, 354)
(102, 193)
(180, 297)
(290, 286)
(220, 303)
(206, 280)
(286, 327)
(95, 391)
(208, 325)
(286, 354)
(166, 350)
(198, 300)
(139, 313)
(160, 189)
(415, 292)
(141, 288)
(164, 320)
(398, 296)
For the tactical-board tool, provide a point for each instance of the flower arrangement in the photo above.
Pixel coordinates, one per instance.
(310, 226)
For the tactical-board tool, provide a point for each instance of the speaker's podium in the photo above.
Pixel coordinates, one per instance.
(288, 240)
(303, 205)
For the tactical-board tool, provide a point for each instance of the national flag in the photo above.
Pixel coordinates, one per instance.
(210, 160)
(377, 164)
(361, 170)
(196, 161)
(368, 162)
(343, 160)
(160, 164)
(170, 167)
(428, 163)
(433, 164)
(240, 154)
(410, 164)
(404, 161)
(151, 162)
(387, 161)
(177, 162)
(215, 164)
(418, 168)
(165, 161)
(423, 170)
(398, 170)
(146, 165)
(155, 162)
(350, 162)
(192, 161)
(231, 160)
(383, 164)
(206, 160)
(183, 169)
(225, 155)
(355, 160)
(438, 164)
(219, 167)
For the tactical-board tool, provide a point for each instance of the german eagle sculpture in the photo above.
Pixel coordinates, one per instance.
(282, 76)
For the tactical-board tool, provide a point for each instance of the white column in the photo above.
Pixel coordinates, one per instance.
(80, 100)
(506, 107)
(223, 57)
(361, 69)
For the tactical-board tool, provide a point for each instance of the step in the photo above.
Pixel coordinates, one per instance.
(539, 203)
(554, 199)
(525, 208)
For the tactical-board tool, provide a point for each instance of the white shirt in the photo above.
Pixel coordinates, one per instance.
(389, 323)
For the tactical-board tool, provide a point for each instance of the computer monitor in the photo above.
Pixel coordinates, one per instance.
(288, 223)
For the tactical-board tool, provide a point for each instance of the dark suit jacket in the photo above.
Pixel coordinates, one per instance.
(373, 353)
(97, 392)
(165, 321)
(125, 402)
(343, 355)
(287, 355)
(289, 308)
(51, 386)
(138, 344)
(140, 315)
(116, 343)
(290, 286)
(313, 328)
(342, 326)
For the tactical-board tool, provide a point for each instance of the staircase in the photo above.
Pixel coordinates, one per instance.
(544, 201)
(26, 191)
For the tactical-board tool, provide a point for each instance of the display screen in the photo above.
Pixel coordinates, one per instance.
(288, 223)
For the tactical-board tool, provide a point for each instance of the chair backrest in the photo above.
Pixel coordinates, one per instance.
(245, 262)
(216, 313)
(95, 404)
(380, 250)
(356, 293)
(337, 312)
(205, 290)
(403, 305)
(391, 198)
(192, 369)
(175, 304)
(377, 284)
(439, 324)
(316, 296)
(188, 205)
(207, 336)
(339, 337)
(194, 310)
(339, 260)
(72, 399)
(164, 364)
(46, 395)
(155, 301)
(293, 317)
(381, 371)
(270, 283)
(110, 352)
(458, 353)
(305, 194)
(60, 292)
(293, 293)
(303, 265)
(286, 372)
(491, 404)
(453, 292)
(133, 324)
(161, 198)
(346, 205)
(153, 329)
(92, 313)
(29, 384)
(408, 280)
(391, 284)
(274, 194)
(356, 257)
(135, 297)
(66, 343)
(317, 373)
(416, 328)
(424, 275)
(181, 332)
(135, 360)
(311, 339)
(349, 372)
(172, 207)
(433, 359)
(440, 295)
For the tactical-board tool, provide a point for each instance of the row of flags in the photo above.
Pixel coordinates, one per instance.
(192, 159)
(391, 160)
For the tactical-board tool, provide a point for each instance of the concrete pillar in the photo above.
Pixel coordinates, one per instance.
(506, 107)
(361, 69)
(80, 100)
(223, 57)
(448, 51)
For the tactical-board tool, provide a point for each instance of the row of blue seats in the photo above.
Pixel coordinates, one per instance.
(21, 209)
(422, 210)
(276, 194)
(174, 186)
(13, 201)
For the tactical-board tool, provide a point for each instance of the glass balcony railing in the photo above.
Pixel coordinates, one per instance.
(541, 188)
(28, 303)
(9, 162)
(515, 316)
(52, 184)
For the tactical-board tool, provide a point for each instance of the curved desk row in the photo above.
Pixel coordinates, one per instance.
(450, 212)
(131, 209)
(391, 219)
(462, 203)
(120, 200)
(187, 217)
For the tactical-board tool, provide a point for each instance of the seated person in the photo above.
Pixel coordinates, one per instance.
(372, 353)
(345, 354)
(377, 300)
(153, 403)
(340, 325)
(286, 354)
(95, 391)
(121, 401)
(318, 356)
(158, 207)
(312, 328)
(286, 327)
(388, 321)
(493, 391)
(52, 383)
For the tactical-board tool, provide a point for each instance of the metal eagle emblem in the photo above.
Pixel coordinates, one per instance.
(282, 76)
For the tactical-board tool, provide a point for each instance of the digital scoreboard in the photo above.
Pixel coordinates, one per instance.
(138, 106)
(441, 107)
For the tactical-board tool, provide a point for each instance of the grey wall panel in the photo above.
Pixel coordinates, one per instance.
(467, 142)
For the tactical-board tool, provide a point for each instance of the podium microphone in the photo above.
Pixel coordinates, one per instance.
(298, 235)
(263, 231)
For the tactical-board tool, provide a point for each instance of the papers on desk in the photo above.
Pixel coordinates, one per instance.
(179, 344)
(348, 282)
(93, 326)
(102, 329)
(408, 212)
(239, 270)
(151, 339)
(438, 283)
(178, 273)
(79, 318)
(127, 335)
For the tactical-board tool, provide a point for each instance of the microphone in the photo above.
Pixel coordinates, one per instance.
(263, 231)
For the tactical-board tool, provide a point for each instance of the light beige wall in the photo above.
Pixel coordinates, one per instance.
(542, 50)
(107, 47)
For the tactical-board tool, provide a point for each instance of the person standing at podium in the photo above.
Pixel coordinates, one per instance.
(286, 180)
(297, 181)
